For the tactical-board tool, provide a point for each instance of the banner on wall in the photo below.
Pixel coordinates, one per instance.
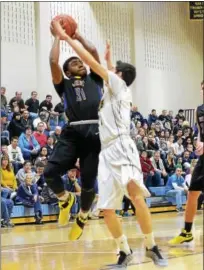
(196, 10)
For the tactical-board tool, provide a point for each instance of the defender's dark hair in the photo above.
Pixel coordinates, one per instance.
(66, 63)
(128, 72)
(202, 82)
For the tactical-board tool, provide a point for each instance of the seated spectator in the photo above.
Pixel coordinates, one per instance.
(15, 155)
(179, 162)
(179, 135)
(178, 148)
(176, 188)
(136, 115)
(8, 179)
(5, 136)
(180, 115)
(186, 157)
(147, 169)
(187, 140)
(170, 164)
(71, 184)
(28, 144)
(18, 100)
(42, 156)
(152, 144)
(158, 129)
(32, 104)
(163, 116)
(28, 195)
(142, 144)
(3, 99)
(57, 133)
(39, 179)
(47, 104)
(59, 110)
(152, 127)
(21, 175)
(39, 135)
(152, 117)
(170, 143)
(178, 127)
(145, 127)
(15, 127)
(159, 169)
(167, 135)
(4, 150)
(50, 146)
(43, 117)
(6, 211)
(163, 147)
(141, 133)
(170, 116)
(26, 120)
(192, 153)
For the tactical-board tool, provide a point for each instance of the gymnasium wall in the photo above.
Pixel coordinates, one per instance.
(168, 55)
(159, 37)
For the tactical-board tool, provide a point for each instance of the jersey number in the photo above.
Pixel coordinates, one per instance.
(80, 95)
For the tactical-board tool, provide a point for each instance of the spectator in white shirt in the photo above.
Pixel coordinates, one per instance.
(15, 155)
(178, 147)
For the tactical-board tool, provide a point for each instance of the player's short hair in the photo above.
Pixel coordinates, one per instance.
(202, 82)
(128, 72)
(66, 63)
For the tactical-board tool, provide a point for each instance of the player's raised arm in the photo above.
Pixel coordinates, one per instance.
(81, 51)
(56, 71)
(108, 57)
(88, 45)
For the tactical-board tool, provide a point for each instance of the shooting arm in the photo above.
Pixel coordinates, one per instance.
(54, 62)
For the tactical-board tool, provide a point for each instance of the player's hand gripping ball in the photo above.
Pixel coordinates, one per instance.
(67, 23)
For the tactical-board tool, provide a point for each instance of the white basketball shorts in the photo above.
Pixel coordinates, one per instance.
(118, 164)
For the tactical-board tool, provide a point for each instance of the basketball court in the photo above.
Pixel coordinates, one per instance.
(46, 247)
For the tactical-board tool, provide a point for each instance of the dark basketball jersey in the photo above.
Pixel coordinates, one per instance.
(200, 121)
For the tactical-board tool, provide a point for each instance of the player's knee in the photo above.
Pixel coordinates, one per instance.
(87, 198)
(134, 191)
(193, 195)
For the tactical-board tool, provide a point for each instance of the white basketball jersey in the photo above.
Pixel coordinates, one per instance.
(114, 114)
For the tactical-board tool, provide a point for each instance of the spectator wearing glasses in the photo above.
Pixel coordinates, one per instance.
(21, 175)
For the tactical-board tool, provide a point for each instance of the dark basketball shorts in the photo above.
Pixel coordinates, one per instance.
(197, 180)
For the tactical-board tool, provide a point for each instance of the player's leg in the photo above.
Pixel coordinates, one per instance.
(196, 186)
(63, 158)
(144, 219)
(110, 199)
(89, 158)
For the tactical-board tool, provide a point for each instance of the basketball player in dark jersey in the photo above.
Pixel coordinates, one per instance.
(197, 181)
(80, 137)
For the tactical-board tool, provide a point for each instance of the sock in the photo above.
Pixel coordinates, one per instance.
(188, 226)
(122, 244)
(83, 214)
(149, 240)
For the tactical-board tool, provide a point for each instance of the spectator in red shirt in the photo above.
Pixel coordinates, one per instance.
(39, 135)
(147, 168)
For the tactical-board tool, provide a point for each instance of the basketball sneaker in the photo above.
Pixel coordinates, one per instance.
(156, 256)
(65, 207)
(123, 261)
(183, 237)
(77, 228)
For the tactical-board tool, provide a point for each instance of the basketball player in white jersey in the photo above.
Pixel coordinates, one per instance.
(119, 166)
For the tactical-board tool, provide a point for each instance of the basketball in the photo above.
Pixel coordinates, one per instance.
(68, 22)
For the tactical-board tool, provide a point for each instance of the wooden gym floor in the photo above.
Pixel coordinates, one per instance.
(46, 247)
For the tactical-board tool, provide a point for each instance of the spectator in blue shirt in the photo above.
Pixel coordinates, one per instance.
(152, 117)
(28, 144)
(176, 188)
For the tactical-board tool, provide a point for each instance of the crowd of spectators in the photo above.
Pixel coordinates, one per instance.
(30, 129)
